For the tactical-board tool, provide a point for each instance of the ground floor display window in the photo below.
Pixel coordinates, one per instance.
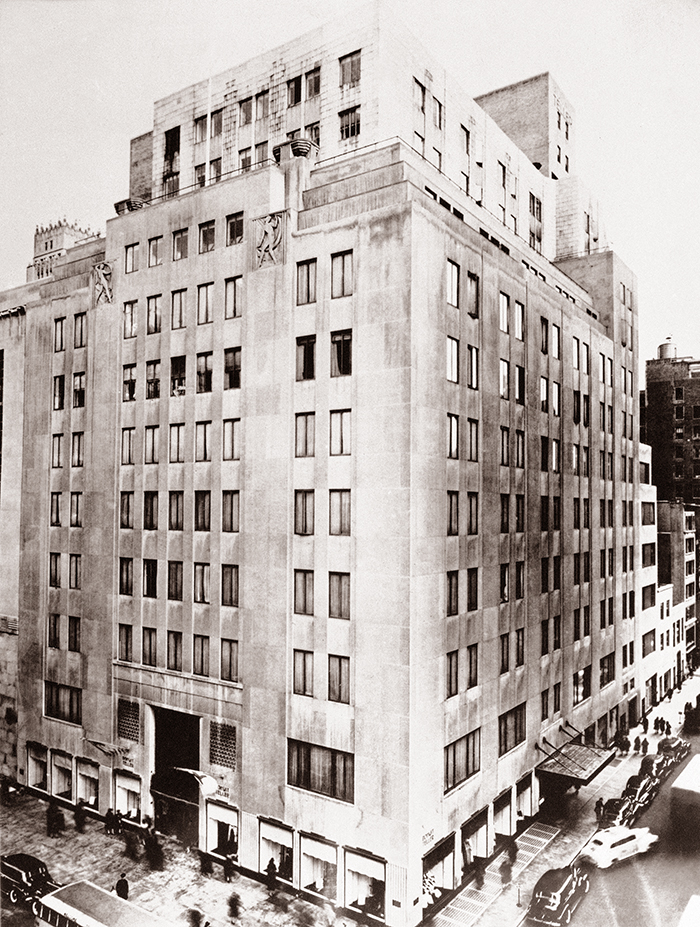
(62, 776)
(438, 871)
(365, 884)
(127, 795)
(276, 844)
(475, 842)
(88, 783)
(523, 799)
(222, 830)
(37, 767)
(319, 867)
(502, 815)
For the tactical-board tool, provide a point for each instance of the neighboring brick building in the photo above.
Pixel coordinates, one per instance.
(345, 518)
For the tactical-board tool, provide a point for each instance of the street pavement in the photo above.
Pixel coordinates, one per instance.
(181, 887)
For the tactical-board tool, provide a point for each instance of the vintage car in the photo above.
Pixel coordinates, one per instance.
(656, 765)
(618, 811)
(641, 790)
(675, 749)
(557, 894)
(616, 843)
(24, 877)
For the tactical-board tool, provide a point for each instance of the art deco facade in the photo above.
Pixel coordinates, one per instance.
(330, 479)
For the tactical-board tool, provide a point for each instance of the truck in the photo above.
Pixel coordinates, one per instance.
(685, 805)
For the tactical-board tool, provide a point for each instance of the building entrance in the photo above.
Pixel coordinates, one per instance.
(176, 792)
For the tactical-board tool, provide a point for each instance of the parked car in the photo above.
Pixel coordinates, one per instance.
(24, 877)
(557, 894)
(616, 843)
(656, 765)
(618, 811)
(673, 748)
(641, 790)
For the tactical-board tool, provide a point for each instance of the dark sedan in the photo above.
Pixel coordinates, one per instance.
(24, 877)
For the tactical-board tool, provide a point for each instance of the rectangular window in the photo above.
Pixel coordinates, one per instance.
(341, 353)
(452, 360)
(180, 244)
(131, 258)
(313, 83)
(473, 295)
(130, 319)
(544, 393)
(305, 434)
(153, 379)
(126, 576)
(177, 443)
(201, 583)
(245, 112)
(520, 385)
(126, 648)
(511, 729)
(153, 314)
(350, 69)
(150, 454)
(175, 651)
(556, 398)
(556, 341)
(338, 679)
(205, 303)
(202, 510)
(519, 579)
(203, 441)
(607, 669)
(472, 589)
(204, 372)
(504, 312)
(304, 511)
(232, 439)
(544, 705)
(234, 231)
(55, 570)
(339, 595)
(58, 335)
(582, 685)
(505, 446)
(339, 511)
(453, 284)
(175, 580)
(504, 379)
(306, 282)
(341, 274)
(349, 123)
(556, 632)
(229, 584)
(200, 655)
(150, 579)
(452, 674)
(504, 593)
(452, 604)
(303, 672)
(63, 702)
(230, 510)
(306, 357)
(126, 510)
(472, 665)
(176, 505)
(544, 637)
(544, 335)
(294, 91)
(233, 298)
(177, 309)
(229, 660)
(321, 770)
(55, 509)
(648, 513)
(58, 392)
(244, 160)
(462, 759)
(206, 236)
(150, 510)
(452, 512)
(472, 367)
(303, 592)
(544, 574)
(505, 513)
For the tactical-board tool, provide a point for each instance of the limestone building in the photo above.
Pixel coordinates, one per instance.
(341, 494)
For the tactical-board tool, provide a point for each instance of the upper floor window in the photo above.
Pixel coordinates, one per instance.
(58, 331)
(155, 251)
(306, 282)
(179, 244)
(341, 274)
(453, 284)
(341, 353)
(262, 104)
(206, 237)
(350, 70)
(350, 122)
(245, 111)
(153, 314)
(294, 91)
(79, 330)
(131, 258)
(313, 83)
(234, 228)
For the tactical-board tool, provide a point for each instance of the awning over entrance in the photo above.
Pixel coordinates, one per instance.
(577, 763)
(208, 785)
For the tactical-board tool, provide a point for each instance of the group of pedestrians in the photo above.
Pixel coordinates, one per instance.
(661, 726)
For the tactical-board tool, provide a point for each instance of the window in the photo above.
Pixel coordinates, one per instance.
(55, 509)
(230, 512)
(582, 685)
(153, 379)
(79, 330)
(294, 91)
(544, 705)
(177, 309)
(544, 637)
(155, 251)
(452, 603)
(504, 312)
(150, 455)
(55, 570)
(150, 510)
(556, 341)
(544, 574)
(648, 596)
(303, 592)
(452, 284)
(321, 769)
(511, 729)
(229, 660)
(504, 593)
(452, 360)
(452, 512)
(313, 83)
(349, 123)
(131, 258)
(130, 319)
(350, 70)
(556, 398)
(472, 367)
(473, 295)
(77, 449)
(648, 513)
(232, 439)
(556, 632)
(177, 443)
(58, 392)
(306, 282)
(519, 512)
(462, 759)
(175, 580)
(245, 108)
(544, 393)
(200, 129)
(78, 390)
(126, 510)
(520, 385)
(544, 335)
(203, 441)
(205, 303)
(204, 372)
(126, 576)
(556, 455)
(304, 439)
(206, 236)
(58, 332)
(126, 643)
(341, 275)
(180, 244)
(544, 513)
(303, 672)
(339, 514)
(153, 316)
(338, 679)
(201, 583)
(229, 584)
(520, 449)
(607, 669)
(202, 510)
(472, 589)
(304, 511)
(175, 510)
(200, 655)
(544, 453)
(339, 595)
(63, 702)
(505, 446)
(175, 651)
(306, 357)
(341, 354)
(150, 578)
(520, 579)
(504, 379)
(505, 513)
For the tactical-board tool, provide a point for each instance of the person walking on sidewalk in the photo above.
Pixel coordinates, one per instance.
(645, 746)
(122, 886)
(645, 725)
(599, 805)
(79, 816)
(668, 729)
(636, 744)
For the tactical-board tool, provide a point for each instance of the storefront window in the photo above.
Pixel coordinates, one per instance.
(319, 867)
(36, 763)
(62, 776)
(88, 783)
(127, 790)
(222, 831)
(276, 845)
(364, 884)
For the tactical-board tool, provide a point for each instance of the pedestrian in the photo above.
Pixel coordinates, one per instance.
(668, 729)
(51, 819)
(117, 822)
(271, 872)
(131, 845)
(234, 906)
(122, 886)
(627, 746)
(645, 724)
(599, 805)
(109, 821)
(512, 852)
(656, 725)
(636, 744)
(229, 871)
(505, 869)
(645, 746)
(79, 816)
(478, 874)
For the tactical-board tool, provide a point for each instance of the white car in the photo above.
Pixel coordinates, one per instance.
(608, 846)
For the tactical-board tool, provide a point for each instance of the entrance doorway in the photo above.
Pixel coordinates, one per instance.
(176, 793)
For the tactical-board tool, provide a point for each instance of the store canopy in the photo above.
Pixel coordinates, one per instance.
(208, 785)
(576, 762)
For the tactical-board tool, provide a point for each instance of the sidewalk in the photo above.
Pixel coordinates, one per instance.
(509, 906)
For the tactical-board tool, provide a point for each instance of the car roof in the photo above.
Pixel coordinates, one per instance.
(23, 859)
(553, 879)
